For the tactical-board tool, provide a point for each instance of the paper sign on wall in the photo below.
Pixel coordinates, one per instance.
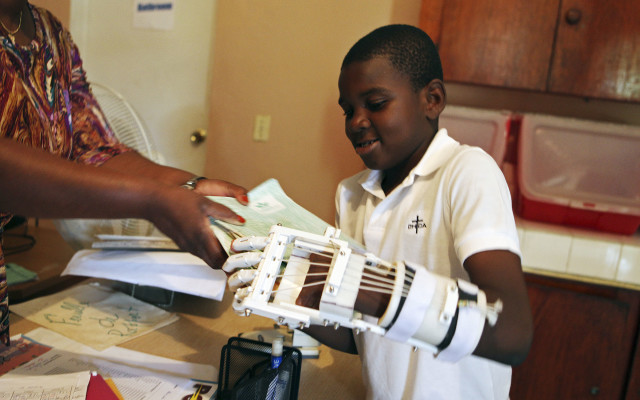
(153, 14)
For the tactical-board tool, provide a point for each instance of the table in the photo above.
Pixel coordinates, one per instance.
(203, 328)
(48, 258)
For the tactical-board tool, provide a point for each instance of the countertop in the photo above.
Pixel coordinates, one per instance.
(580, 254)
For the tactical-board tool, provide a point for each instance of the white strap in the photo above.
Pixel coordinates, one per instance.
(468, 331)
(415, 306)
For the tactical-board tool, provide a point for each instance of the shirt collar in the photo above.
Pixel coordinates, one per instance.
(439, 151)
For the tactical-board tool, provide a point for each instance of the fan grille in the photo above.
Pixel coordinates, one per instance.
(130, 130)
(123, 119)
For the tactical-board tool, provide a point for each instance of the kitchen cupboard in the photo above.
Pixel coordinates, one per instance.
(584, 344)
(586, 48)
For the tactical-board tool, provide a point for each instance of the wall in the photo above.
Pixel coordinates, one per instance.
(282, 58)
(59, 8)
(163, 73)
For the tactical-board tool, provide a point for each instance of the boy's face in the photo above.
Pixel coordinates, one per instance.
(385, 118)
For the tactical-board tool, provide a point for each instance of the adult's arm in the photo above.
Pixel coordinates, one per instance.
(147, 169)
(35, 183)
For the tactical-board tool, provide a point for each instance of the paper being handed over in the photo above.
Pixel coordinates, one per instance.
(268, 206)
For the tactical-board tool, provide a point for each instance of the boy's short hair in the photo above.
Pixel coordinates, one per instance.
(409, 49)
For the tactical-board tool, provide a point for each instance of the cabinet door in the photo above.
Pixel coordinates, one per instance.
(493, 42)
(583, 341)
(598, 50)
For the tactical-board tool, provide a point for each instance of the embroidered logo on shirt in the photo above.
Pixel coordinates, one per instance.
(417, 224)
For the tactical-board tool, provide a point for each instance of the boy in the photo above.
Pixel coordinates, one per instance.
(431, 201)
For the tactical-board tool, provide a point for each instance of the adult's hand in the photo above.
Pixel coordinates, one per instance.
(180, 213)
(217, 187)
(38, 184)
(183, 215)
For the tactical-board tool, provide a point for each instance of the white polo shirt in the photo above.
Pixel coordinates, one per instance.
(453, 204)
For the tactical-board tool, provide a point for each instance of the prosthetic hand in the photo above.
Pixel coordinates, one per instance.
(425, 310)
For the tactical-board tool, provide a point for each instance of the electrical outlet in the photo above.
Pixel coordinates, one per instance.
(261, 128)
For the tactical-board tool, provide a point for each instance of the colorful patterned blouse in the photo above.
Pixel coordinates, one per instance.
(46, 103)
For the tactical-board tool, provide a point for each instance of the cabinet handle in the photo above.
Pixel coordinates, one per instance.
(573, 16)
(595, 391)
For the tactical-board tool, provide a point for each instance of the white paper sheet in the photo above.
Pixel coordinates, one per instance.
(71, 386)
(171, 270)
(138, 376)
(119, 355)
(94, 315)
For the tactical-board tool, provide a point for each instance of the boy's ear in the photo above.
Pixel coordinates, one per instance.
(436, 98)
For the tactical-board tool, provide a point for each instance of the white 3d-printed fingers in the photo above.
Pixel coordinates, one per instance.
(241, 260)
(248, 243)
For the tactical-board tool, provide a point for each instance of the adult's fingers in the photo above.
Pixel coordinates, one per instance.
(200, 242)
(223, 213)
(217, 187)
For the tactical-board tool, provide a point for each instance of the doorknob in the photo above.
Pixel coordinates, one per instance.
(198, 136)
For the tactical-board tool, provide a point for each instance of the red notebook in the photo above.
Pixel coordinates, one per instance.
(99, 389)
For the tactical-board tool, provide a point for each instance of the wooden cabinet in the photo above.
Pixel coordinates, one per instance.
(586, 48)
(584, 342)
(599, 54)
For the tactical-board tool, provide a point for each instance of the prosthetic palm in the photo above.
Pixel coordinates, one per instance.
(425, 310)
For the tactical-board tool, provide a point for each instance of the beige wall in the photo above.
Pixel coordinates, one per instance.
(282, 58)
(59, 8)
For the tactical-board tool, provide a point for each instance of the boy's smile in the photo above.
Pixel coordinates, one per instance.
(366, 146)
(386, 120)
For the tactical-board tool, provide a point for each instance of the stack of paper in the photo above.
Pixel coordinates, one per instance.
(94, 315)
(171, 270)
(134, 375)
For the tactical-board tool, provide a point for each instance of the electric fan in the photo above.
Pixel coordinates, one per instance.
(130, 130)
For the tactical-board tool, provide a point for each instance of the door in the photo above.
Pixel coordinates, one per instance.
(163, 73)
